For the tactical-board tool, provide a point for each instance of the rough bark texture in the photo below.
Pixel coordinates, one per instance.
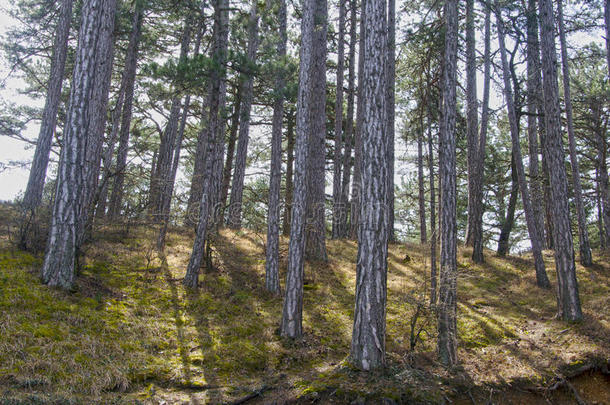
(292, 315)
(58, 268)
(315, 239)
(542, 279)
(509, 217)
(272, 274)
(129, 77)
(349, 124)
(368, 337)
(447, 303)
(391, 113)
(433, 236)
(38, 172)
(338, 208)
(423, 233)
(472, 118)
(602, 170)
(534, 104)
(479, 178)
(607, 23)
(583, 234)
(226, 174)
(568, 296)
(289, 175)
(211, 192)
(237, 188)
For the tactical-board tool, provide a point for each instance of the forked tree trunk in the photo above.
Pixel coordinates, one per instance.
(292, 315)
(583, 234)
(447, 303)
(272, 274)
(568, 297)
(542, 279)
(368, 337)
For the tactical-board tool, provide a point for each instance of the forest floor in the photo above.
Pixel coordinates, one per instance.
(130, 333)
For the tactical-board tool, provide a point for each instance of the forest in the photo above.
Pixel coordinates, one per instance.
(295, 202)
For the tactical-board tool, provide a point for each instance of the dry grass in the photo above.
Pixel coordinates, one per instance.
(132, 333)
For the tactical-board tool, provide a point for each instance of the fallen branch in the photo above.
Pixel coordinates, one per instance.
(250, 396)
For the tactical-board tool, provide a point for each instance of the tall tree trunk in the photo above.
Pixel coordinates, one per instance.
(349, 124)
(602, 168)
(129, 77)
(472, 114)
(356, 184)
(542, 279)
(479, 179)
(535, 112)
(607, 23)
(368, 337)
(58, 269)
(509, 218)
(583, 234)
(33, 191)
(210, 194)
(433, 236)
(315, 239)
(600, 217)
(423, 233)
(226, 174)
(289, 174)
(568, 296)
(391, 113)
(292, 315)
(447, 307)
(237, 188)
(338, 209)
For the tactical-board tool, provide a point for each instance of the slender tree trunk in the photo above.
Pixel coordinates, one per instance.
(447, 307)
(315, 239)
(338, 208)
(600, 220)
(433, 236)
(391, 113)
(289, 175)
(583, 234)
(423, 234)
(292, 315)
(210, 194)
(272, 274)
(58, 269)
(368, 337)
(349, 124)
(607, 23)
(33, 191)
(237, 188)
(472, 124)
(129, 77)
(542, 279)
(226, 174)
(568, 296)
(479, 179)
(509, 219)
(602, 169)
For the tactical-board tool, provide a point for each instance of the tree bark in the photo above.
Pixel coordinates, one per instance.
(433, 236)
(391, 114)
(583, 234)
(607, 24)
(368, 337)
(272, 274)
(288, 193)
(33, 191)
(338, 208)
(226, 174)
(237, 188)
(472, 118)
(542, 279)
(292, 315)
(447, 307)
(568, 296)
(58, 269)
(315, 239)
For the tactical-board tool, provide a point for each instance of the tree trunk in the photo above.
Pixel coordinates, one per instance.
(289, 174)
(33, 191)
(472, 124)
(568, 296)
(272, 274)
(433, 236)
(226, 174)
(509, 218)
(129, 77)
(237, 188)
(447, 308)
(58, 269)
(349, 124)
(607, 23)
(602, 169)
(542, 279)
(210, 194)
(479, 180)
(583, 234)
(423, 234)
(292, 315)
(368, 337)
(391, 113)
(315, 239)
(338, 208)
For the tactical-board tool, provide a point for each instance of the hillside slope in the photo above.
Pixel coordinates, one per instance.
(130, 333)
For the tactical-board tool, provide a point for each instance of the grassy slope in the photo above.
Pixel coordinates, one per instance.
(132, 333)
